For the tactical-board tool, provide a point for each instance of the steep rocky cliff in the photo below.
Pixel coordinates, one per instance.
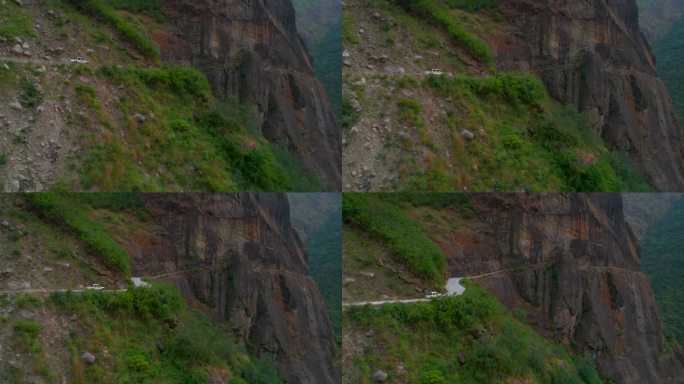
(239, 254)
(592, 54)
(251, 49)
(572, 263)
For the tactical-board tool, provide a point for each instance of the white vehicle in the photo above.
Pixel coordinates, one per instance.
(433, 295)
(95, 287)
(139, 283)
(434, 72)
(79, 60)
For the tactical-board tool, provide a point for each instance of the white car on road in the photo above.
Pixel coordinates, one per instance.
(95, 287)
(79, 60)
(433, 295)
(434, 72)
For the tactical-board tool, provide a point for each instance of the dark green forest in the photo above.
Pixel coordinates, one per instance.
(328, 65)
(662, 259)
(325, 265)
(670, 62)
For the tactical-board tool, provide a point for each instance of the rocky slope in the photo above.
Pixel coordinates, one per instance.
(593, 55)
(576, 273)
(253, 50)
(240, 255)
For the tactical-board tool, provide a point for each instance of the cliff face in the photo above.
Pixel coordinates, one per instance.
(251, 49)
(239, 254)
(592, 54)
(572, 263)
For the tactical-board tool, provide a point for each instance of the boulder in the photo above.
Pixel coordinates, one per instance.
(467, 135)
(380, 376)
(88, 358)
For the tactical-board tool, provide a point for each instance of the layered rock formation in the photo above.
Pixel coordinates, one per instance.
(592, 54)
(572, 263)
(251, 49)
(239, 254)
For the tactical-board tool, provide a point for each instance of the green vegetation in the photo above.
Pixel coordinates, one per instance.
(489, 6)
(152, 337)
(438, 14)
(661, 259)
(15, 22)
(670, 53)
(26, 336)
(107, 14)
(349, 33)
(522, 139)
(137, 6)
(328, 65)
(30, 96)
(200, 142)
(325, 265)
(405, 237)
(427, 339)
(65, 210)
(509, 87)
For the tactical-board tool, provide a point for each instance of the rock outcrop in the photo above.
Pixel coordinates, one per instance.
(251, 50)
(572, 263)
(592, 54)
(239, 255)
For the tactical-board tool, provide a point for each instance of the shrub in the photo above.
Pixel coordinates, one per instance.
(177, 79)
(512, 87)
(25, 336)
(31, 96)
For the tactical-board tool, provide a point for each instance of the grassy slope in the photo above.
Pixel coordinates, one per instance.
(661, 259)
(138, 336)
(385, 220)
(532, 143)
(425, 340)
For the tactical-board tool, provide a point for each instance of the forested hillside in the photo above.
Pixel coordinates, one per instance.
(669, 52)
(662, 259)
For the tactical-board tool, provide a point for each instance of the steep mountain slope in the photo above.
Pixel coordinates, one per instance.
(253, 50)
(567, 264)
(609, 75)
(266, 126)
(506, 108)
(236, 258)
(580, 278)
